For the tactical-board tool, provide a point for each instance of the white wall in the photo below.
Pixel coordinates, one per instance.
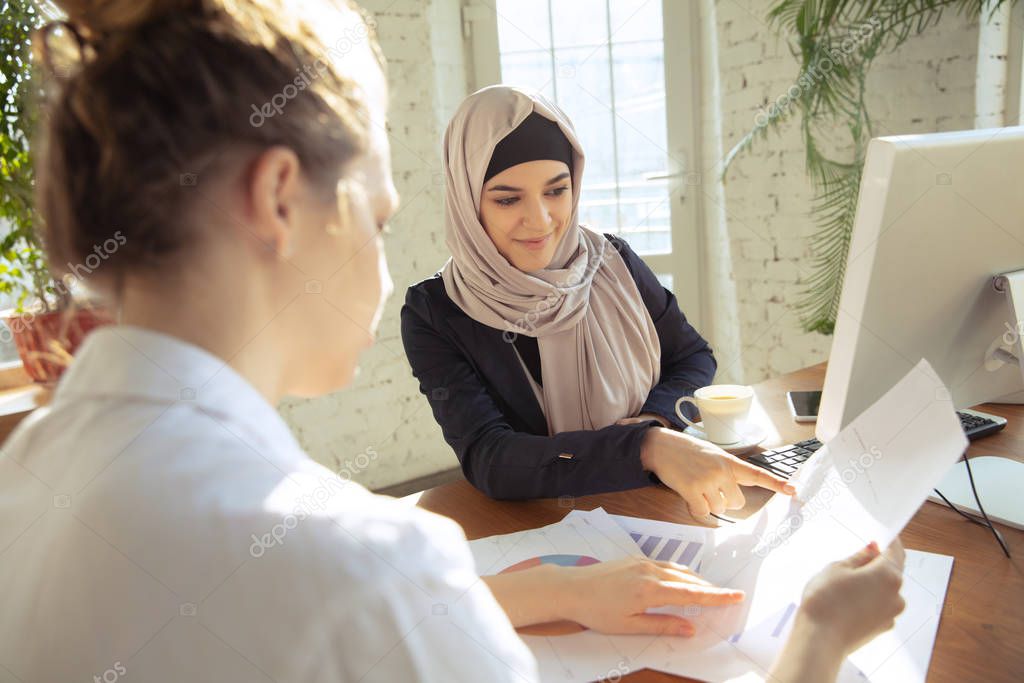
(928, 86)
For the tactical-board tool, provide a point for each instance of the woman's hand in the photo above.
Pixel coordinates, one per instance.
(703, 474)
(844, 606)
(612, 597)
(609, 597)
(857, 598)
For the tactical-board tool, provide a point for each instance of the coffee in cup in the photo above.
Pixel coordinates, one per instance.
(723, 408)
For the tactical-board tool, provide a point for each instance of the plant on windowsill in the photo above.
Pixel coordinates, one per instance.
(836, 42)
(46, 323)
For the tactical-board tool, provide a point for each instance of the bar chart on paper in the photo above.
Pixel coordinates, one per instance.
(671, 549)
(775, 628)
(667, 542)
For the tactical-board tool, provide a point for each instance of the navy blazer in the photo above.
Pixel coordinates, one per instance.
(482, 399)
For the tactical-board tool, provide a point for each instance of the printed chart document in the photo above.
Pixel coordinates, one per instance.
(565, 651)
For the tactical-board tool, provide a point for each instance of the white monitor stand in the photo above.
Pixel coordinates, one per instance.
(998, 480)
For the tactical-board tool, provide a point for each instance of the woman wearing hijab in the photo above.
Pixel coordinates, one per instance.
(550, 354)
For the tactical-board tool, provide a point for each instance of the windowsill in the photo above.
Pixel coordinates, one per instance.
(13, 376)
(19, 396)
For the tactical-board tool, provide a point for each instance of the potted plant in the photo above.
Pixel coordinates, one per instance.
(46, 323)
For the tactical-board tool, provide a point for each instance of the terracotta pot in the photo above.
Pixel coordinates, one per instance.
(47, 341)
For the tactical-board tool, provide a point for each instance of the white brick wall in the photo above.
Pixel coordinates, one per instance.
(928, 86)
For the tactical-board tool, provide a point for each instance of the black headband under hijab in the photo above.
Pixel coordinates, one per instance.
(534, 139)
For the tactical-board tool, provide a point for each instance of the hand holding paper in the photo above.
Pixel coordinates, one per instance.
(871, 575)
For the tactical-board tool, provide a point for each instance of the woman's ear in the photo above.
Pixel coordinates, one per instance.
(274, 189)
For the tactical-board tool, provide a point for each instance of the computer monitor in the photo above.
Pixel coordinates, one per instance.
(939, 216)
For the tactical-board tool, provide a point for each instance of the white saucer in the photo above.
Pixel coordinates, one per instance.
(752, 434)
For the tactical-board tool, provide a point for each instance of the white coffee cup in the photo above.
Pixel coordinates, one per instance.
(723, 408)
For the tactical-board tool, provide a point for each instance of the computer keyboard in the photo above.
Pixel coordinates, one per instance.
(784, 460)
(977, 425)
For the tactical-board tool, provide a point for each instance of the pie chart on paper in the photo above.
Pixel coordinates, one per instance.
(553, 628)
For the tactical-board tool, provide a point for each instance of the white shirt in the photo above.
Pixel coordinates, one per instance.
(159, 522)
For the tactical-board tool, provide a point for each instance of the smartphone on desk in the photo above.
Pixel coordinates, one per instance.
(804, 405)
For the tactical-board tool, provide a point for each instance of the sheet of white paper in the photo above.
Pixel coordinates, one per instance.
(565, 653)
(902, 654)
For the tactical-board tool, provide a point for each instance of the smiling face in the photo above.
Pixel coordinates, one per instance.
(525, 210)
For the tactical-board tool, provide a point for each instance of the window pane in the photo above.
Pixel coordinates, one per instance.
(639, 74)
(636, 20)
(8, 351)
(578, 23)
(523, 25)
(531, 70)
(584, 92)
(641, 135)
(646, 217)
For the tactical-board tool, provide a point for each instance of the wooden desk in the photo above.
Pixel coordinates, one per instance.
(981, 635)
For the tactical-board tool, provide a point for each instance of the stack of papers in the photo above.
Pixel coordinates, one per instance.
(864, 485)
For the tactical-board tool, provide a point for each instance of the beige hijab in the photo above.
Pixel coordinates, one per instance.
(599, 350)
